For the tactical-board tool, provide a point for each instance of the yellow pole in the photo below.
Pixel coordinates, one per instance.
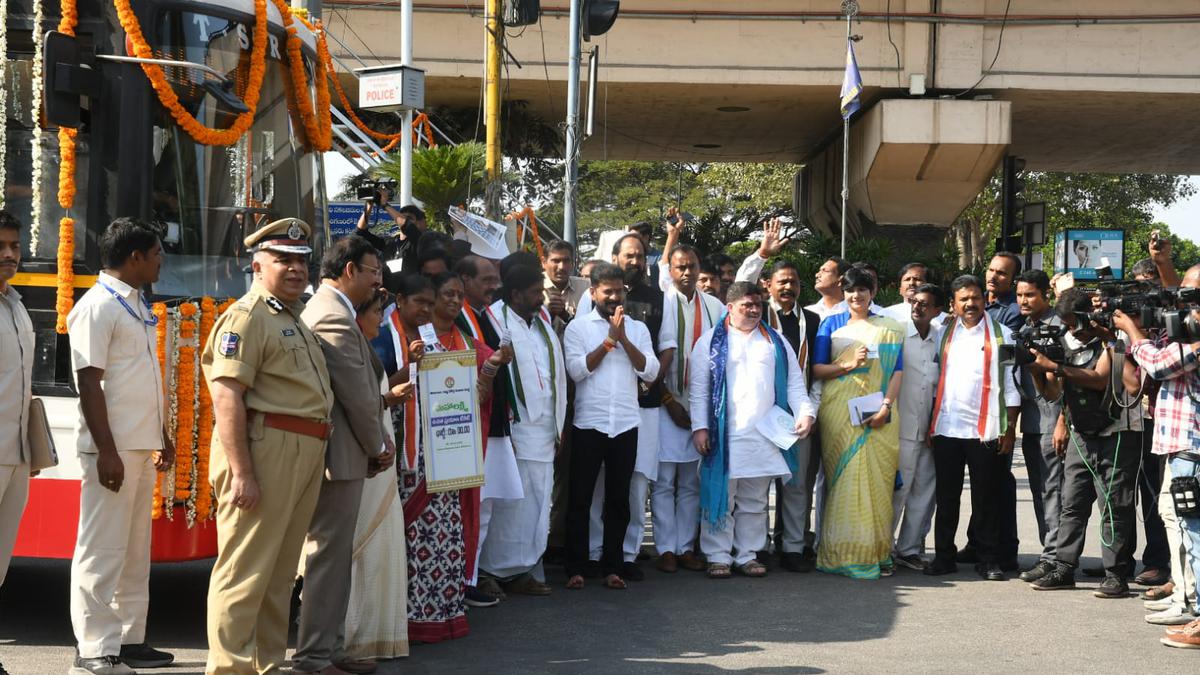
(492, 107)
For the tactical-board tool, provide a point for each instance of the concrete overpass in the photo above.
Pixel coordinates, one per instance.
(951, 86)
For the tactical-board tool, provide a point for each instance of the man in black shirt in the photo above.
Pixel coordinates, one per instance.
(402, 246)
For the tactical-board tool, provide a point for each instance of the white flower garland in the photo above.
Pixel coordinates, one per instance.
(35, 220)
(3, 98)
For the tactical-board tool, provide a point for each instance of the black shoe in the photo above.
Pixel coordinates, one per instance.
(764, 558)
(642, 555)
(144, 656)
(592, 570)
(1038, 571)
(1095, 572)
(990, 571)
(477, 598)
(1010, 565)
(939, 567)
(797, 562)
(555, 555)
(1112, 587)
(631, 572)
(102, 665)
(1059, 578)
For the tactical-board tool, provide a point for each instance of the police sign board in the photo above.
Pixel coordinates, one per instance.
(387, 88)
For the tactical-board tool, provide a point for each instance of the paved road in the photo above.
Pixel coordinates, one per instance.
(684, 623)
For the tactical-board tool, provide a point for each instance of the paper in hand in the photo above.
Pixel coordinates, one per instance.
(778, 425)
(864, 408)
(430, 338)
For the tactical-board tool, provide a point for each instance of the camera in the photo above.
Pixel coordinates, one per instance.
(1168, 309)
(1043, 338)
(372, 193)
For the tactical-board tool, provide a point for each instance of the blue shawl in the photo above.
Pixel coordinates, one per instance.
(714, 467)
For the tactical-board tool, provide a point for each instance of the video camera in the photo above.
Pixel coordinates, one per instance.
(1169, 309)
(1043, 338)
(372, 192)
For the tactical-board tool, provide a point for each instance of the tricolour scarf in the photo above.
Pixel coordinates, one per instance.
(714, 467)
(991, 426)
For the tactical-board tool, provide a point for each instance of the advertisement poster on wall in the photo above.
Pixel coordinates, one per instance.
(1090, 254)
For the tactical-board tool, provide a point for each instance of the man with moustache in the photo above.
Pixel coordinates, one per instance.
(481, 280)
(563, 291)
(972, 409)
(607, 354)
(709, 280)
(912, 276)
(272, 402)
(16, 392)
(351, 273)
(828, 282)
(643, 302)
(675, 493)
(122, 440)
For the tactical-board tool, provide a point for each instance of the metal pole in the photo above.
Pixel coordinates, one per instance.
(406, 141)
(492, 109)
(845, 159)
(572, 171)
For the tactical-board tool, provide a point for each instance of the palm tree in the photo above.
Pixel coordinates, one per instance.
(443, 176)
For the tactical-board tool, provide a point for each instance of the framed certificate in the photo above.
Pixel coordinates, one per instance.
(450, 421)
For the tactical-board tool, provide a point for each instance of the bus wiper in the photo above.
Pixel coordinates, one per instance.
(220, 87)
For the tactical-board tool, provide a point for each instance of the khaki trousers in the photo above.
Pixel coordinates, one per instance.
(250, 590)
(110, 571)
(14, 491)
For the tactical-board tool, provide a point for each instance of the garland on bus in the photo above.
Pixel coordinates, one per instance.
(35, 115)
(166, 95)
(3, 98)
(185, 394)
(64, 297)
(318, 125)
(160, 349)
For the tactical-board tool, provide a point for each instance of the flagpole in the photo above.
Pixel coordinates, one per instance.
(845, 155)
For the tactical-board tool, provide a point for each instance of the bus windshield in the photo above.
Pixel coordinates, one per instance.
(208, 198)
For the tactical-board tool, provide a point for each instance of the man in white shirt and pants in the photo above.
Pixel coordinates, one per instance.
(734, 385)
(519, 528)
(974, 402)
(16, 372)
(121, 441)
(606, 354)
(675, 494)
(913, 501)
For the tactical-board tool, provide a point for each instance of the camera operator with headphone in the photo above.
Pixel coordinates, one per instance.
(1102, 453)
(1176, 435)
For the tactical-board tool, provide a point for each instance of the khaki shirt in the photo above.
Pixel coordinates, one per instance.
(262, 343)
(16, 373)
(114, 337)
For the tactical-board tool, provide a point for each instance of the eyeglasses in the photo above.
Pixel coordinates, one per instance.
(921, 304)
(372, 270)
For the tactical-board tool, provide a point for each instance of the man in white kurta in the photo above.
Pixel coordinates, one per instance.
(675, 494)
(519, 528)
(754, 461)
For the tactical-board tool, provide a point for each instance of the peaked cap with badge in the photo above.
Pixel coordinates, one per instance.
(286, 235)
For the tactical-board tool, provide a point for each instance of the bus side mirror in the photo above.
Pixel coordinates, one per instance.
(66, 79)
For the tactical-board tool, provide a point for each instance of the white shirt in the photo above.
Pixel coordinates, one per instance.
(16, 376)
(606, 400)
(902, 312)
(105, 335)
(750, 393)
(961, 400)
(543, 386)
(822, 311)
(919, 384)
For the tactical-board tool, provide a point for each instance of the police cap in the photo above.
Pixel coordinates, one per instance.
(286, 235)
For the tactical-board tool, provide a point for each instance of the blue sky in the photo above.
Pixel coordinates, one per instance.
(1183, 217)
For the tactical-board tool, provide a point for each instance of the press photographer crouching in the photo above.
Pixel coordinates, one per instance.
(1172, 358)
(1099, 389)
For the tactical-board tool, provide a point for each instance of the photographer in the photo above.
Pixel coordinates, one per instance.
(1039, 417)
(1101, 457)
(1176, 435)
(402, 246)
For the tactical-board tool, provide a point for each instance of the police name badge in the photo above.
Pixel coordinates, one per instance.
(228, 344)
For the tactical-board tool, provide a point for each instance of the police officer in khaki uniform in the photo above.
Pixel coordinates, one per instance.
(270, 389)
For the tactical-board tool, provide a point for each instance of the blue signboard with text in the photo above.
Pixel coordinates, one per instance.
(343, 217)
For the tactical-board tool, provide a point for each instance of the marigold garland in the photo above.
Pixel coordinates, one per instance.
(203, 491)
(185, 385)
(318, 125)
(64, 298)
(160, 342)
(166, 95)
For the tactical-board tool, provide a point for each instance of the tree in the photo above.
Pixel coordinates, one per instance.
(442, 177)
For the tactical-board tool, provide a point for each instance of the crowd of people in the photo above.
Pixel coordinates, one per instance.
(691, 384)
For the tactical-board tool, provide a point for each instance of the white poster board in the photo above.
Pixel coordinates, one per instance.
(450, 421)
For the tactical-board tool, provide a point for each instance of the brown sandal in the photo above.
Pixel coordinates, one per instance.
(575, 583)
(718, 571)
(752, 569)
(615, 582)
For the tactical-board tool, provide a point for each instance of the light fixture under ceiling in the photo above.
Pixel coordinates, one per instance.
(733, 109)
(706, 146)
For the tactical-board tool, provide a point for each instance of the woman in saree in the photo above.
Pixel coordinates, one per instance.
(376, 617)
(857, 354)
(442, 527)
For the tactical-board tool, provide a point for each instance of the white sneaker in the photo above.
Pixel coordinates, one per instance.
(1159, 605)
(1175, 615)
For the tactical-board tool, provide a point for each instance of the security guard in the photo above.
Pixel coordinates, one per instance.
(271, 393)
